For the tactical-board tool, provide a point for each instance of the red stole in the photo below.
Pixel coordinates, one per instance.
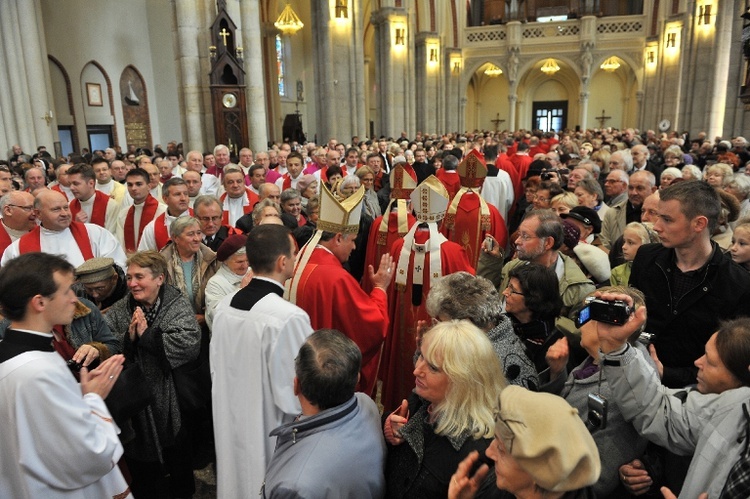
(287, 182)
(98, 211)
(149, 210)
(5, 239)
(252, 200)
(161, 235)
(32, 242)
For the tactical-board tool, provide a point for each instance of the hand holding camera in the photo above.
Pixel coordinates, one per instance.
(615, 322)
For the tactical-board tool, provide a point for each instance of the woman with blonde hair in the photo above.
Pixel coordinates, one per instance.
(718, 175)
(563, 203)
(450, 414)
(367, 178)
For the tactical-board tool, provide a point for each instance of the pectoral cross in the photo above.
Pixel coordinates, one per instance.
(602, 119)
(224, 34)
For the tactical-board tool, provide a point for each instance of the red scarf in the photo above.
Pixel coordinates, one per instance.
(149, 210)
(98, 211)
(252, 200)
(161, 235)
(32, 242)
(5, 239)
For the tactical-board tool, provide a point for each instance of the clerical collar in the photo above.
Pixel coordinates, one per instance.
(37, 333)
(261, 278)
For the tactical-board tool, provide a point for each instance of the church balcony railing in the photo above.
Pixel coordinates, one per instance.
(536, 33)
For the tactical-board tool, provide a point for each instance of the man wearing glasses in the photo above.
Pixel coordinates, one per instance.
(540, 235)
(19, 217)
(209, 212)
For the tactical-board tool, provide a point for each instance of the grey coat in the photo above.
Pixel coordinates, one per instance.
(710, 426)
(337, 454)
(172, 340)
(517, 367)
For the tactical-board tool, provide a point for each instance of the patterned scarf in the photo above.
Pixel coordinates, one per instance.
(177, 277)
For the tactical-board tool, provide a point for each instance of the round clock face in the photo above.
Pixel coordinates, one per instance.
(664, 125)
(229, 100)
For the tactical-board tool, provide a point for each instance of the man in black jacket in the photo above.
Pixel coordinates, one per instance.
(690, 285)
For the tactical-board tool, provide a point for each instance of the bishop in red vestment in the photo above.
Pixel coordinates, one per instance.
(423, 256)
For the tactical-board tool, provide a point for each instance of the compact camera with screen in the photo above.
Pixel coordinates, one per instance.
(612, 312)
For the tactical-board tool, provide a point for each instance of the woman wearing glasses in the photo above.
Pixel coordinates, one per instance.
(449, 414)
(541, 450)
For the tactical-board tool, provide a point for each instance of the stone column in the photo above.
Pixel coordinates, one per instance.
(339, 72)
(191, 79)
(394, 62)
(24, 78)
(584, 98)
(454, 90)
(428, 63)
(512, 102)
(255, 90)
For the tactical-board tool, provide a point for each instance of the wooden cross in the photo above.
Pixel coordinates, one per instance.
(602, 119)
(497, 121)
(224, 34)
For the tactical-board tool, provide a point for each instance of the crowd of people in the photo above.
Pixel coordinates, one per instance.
(496, 314)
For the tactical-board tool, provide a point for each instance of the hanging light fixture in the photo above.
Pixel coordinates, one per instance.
(550, 67)
(492, 71)
(288, 21)
(610, 65)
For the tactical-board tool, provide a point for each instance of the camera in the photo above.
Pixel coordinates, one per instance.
(597, 412)
(646, 338)
(76, 366)
(612, 312)
(548, 174)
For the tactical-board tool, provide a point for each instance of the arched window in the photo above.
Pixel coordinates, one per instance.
(280, 66)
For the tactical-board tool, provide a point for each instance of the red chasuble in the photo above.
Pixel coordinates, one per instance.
(333, 299)
(150, 205)
(98, 211)
(468, 230)
(451, 181)
(375, 251)
(397, 366)
(32, 242)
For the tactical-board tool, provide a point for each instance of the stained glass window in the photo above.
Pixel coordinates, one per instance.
(280, 72)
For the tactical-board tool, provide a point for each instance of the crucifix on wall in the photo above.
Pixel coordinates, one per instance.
(602, 119)
(497, 121)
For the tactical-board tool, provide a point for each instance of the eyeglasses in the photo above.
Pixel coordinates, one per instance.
(504, 433)
(612, 181)
(210, 219)
(27, 209)
(527, 237)
(509, 287)
(541, 199)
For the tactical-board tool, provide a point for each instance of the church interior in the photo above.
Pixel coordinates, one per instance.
(79, 74)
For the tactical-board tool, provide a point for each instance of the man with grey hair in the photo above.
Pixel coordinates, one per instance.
(35, 179)
(616, 187)
(642, 184)
(156, 234)
(540, 237)
(462, 296)
(221, 153)
(19, 217)
(621, 160)
(210, 184)
(641, 157)
(339, 427)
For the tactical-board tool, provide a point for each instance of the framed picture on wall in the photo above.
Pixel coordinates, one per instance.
(94, 92)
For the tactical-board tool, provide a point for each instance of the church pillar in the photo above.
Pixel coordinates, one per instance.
(339, 71)
(512, 101)
(23, 78)
(717, 63)
(583, 118)
(428, 65)
(462, 113)
(189, 31)
(255, 90)
(394, 59)
(453, 90)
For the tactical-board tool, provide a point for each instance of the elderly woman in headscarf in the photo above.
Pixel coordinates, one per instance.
(541, 450)
(307, 186)
(371, 205)
(233, 274)
(190, 263)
